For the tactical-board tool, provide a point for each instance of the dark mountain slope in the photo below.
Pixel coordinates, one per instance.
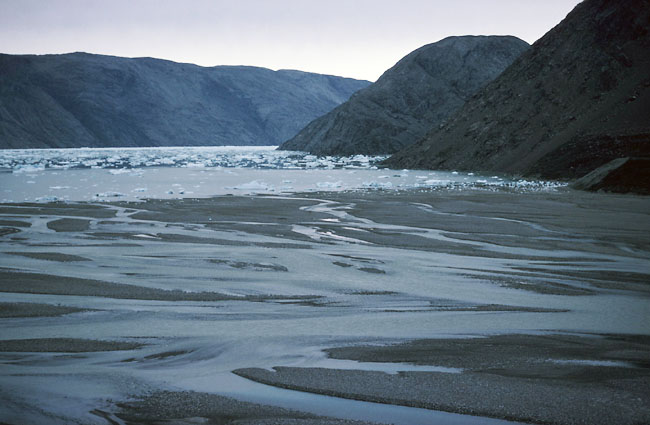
(92, 100)
(622, 175)
(420, 91)
(579, 98)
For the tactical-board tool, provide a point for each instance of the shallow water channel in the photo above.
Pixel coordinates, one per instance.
(255, 267)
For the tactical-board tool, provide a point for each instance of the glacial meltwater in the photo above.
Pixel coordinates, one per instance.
(152, 275)
(37, 175)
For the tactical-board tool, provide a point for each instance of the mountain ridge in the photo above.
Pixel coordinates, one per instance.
(83, 99)
(418, 92)
(573, 102)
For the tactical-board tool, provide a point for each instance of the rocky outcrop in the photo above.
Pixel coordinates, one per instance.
(81, 99)
(622, 175)
(419, 92)
(577, 99)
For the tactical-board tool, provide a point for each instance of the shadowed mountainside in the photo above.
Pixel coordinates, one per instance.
(80, 99)
(622, 175)
(576, 100)
(419, 92)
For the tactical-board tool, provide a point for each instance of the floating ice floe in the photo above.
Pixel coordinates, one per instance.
(329, 185)
(124, 160)
(437, 182)
(28, 168)
(255, 185)
(116, 171)
(377, 185)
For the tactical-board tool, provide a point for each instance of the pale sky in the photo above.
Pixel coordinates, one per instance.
(353, 38)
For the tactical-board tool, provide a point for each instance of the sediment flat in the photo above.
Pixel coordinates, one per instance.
(560, 379)
(35, 310)
(541, 298)
(69, 225)
(186, 407)
(37, 283)
(50, 256)
(63, 209)
(64, 345)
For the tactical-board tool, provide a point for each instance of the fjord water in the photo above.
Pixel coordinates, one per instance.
(139, 173)
(329, 252)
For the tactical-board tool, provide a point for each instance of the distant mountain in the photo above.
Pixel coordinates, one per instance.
(80, 99)
(579, 98)
(419, 92)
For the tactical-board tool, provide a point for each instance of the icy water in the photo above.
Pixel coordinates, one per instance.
(139, 173)
(310, 253)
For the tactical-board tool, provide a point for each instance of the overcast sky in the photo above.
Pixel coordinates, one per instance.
(351, 38)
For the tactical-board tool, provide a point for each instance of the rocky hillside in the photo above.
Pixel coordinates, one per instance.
(622, 175)
(419, 92)
(577, 99)
(80, 99)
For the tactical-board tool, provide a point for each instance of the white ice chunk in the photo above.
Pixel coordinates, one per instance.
(117, 171)
(437, 182)
(377, 185)
(329, 185)
(30, 168)
(254, 185)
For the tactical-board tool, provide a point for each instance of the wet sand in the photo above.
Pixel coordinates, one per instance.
(193, 407)
(35, 283)
(563, 379)
(50, 256)
(57, 209)
(35, 310)
(69, 225)
(551, 288)
(14, 223)
(64, 345)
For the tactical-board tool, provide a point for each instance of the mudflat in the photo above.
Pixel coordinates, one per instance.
(491, 303)
(187, 407)
(64, 345)
(34, 310)
(596, 379)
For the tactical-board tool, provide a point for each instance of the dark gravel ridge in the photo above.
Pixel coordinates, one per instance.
(546, 379)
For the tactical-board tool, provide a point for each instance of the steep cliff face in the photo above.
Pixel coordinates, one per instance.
(419, 92)
(80, 99)
(577, 99)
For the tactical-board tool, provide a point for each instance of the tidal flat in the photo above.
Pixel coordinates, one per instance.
(446, 306)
